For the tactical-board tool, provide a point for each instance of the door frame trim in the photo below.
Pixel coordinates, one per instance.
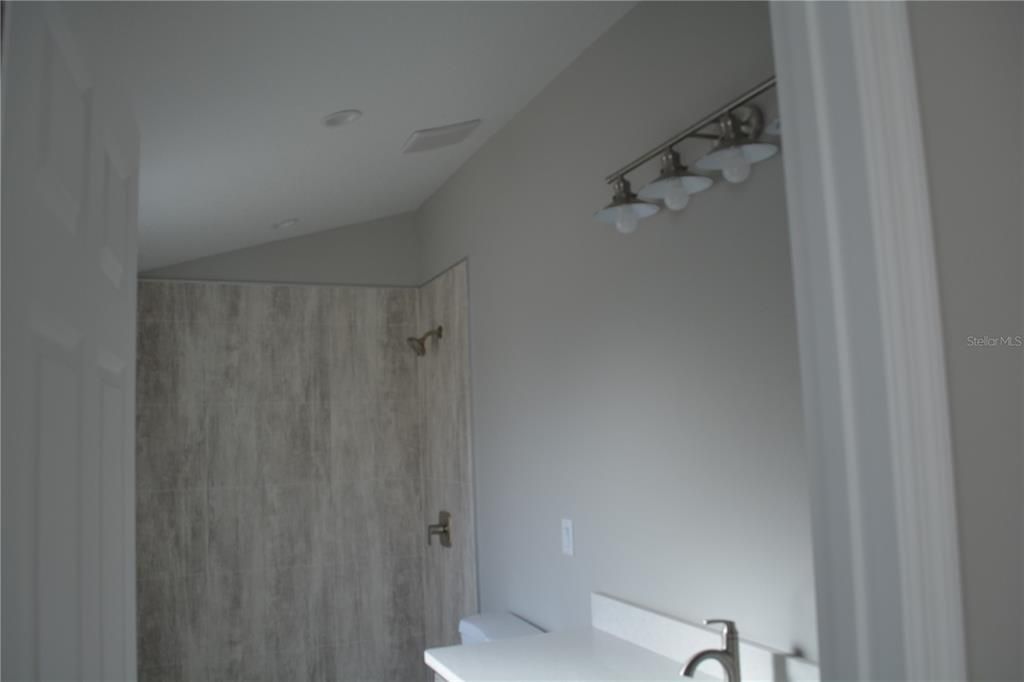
(871, 348)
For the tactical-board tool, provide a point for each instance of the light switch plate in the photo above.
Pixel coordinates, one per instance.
(568, 541)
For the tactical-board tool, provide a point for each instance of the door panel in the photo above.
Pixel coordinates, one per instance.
(70, 165)
(116, 204)
(57, 440)
(114, 525)
(64, 106)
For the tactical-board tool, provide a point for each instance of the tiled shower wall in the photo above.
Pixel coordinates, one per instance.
(449, 575)
(282, 484)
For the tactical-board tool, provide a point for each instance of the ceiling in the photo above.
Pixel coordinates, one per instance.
(230, 97)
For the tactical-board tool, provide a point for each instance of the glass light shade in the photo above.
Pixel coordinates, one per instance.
(627, 221)
(676, 198)
(625, 215)
(721, 157)
(626, 210)
(660, 187)
(735, 168)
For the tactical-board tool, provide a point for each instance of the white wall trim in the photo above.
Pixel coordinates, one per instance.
(872, 359)
(912, 333)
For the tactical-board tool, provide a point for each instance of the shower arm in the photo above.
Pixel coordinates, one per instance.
(419, 344)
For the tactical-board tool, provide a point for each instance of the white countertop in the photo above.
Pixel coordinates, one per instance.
(625, 642)
(583, 654)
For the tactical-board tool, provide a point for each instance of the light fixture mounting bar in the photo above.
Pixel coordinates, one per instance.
(693, 130)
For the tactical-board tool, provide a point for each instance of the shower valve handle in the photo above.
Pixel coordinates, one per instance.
(442, 529)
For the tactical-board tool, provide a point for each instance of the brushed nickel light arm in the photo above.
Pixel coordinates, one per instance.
(695, 130)
(735, 127)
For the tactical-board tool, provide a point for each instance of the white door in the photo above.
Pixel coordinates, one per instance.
(70, 159)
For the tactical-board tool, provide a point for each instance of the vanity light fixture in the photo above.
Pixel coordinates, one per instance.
(675, 184)
(735, 127)
(737, 147)
(626, 210)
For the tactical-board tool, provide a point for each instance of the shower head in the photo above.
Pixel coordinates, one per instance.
(419, 345)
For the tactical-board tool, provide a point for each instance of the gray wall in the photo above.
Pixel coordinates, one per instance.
(381, 252)
(280, 479)
(971, 83)
(645, 386)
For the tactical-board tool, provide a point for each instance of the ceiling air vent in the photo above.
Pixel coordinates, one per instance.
(443, 136)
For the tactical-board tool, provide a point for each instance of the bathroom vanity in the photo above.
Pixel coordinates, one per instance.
(624, 642)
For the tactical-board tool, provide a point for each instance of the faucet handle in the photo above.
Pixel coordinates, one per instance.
(729, 632)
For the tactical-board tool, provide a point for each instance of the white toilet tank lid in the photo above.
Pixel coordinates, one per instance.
(490, 626)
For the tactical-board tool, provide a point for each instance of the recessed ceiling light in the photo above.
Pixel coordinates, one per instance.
(286, 224)
(340, 118)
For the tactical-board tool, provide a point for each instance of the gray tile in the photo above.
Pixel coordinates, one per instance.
(449, 575)
(395, 305)
(331, 616)
(254, 356)
(444, 380)
(290, 592)
(232, 445)
(170, 362)
(290, 442)
(287, 667)
(230, 361)
(381, 516)
(158, 631)
(338, 661)
(170, 300)
(290, 515)
(342, 661)
(350, 443)
(229, 304)
(234, 522)
(169, 634)
(232, 624)
(151, 299)
(328, 526)
(390, 613)
(300, 418)
(170, 446)
(378, 439)
(168, 674)
(306, 614)
(339, 360)
(294, 307)
(284, 349)
(170, 533)
(396, 441)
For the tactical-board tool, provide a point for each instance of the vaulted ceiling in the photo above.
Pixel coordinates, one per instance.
(230, 98)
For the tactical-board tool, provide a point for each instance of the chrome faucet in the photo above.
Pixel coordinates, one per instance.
(728, 656)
